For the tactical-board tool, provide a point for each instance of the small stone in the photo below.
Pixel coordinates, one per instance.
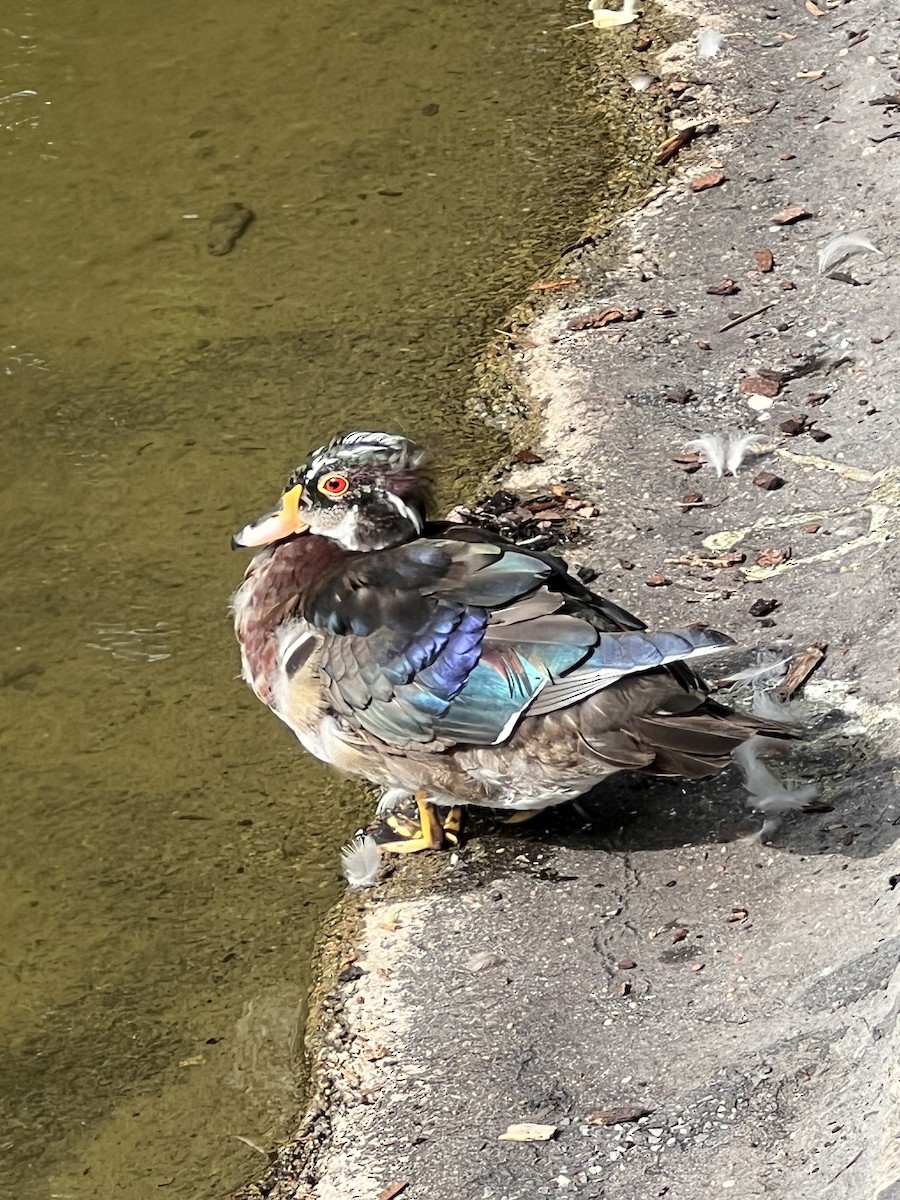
(658, 580)
(819, 435)
(793, 426)
(626, 964)
(768, 482)
(762, 607)
(765, 260)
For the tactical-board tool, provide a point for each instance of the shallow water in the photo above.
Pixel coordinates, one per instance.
(170, 852)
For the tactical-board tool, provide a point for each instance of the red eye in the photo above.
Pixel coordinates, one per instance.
(333, 485)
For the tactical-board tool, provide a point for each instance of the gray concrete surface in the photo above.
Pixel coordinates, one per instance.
(758, 1022)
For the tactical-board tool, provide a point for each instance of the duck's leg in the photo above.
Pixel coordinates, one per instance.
(424, 832)
(453, 822)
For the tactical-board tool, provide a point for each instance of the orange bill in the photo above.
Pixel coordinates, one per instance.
(283, 521)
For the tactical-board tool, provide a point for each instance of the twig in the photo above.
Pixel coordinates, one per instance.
(846, 1166)
(747, 316)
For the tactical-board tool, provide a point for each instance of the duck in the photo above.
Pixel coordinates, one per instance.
(453, 668)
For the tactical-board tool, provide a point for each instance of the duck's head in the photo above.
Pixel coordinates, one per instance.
(363, 490)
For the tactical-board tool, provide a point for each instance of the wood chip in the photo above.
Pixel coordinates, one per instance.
(801, 669)
(602, 317)
(765, 260)
(711, 180)
(756, 385)
(673, 144)
(788, 216)
(617, 1114)
(768, 482)
(528, 1131)
(393, 1189)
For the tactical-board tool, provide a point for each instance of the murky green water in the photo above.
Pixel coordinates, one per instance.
(169, 851)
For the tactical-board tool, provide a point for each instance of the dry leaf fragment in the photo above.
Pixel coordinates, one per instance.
(812, 527)
(756, 385)
(690, 462)
(727, 287)
(527, 455)
(788, 216)
(602, 317)
(770, 557)
(730, 558)
(813, 9)
(765, 260)
(657, 580)
(617, 1114)
(691, 499)
(528, 1131)
(711, 180)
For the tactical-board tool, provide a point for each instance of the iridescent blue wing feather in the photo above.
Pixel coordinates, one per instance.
(447, 641)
